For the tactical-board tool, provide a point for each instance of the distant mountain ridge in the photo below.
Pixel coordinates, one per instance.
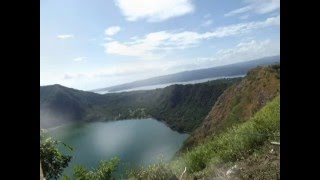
(182, 107)
(221, 71)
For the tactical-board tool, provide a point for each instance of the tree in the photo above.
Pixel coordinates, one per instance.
(52, 161)
(103, 172)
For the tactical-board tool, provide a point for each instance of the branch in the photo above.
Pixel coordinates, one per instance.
(275, 143)
(185, 169)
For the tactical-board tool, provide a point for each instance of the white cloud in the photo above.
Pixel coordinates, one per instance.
(130, 71)
(147, 47)
(256, 6)
(154, 10)
(65, 36)
(137, 70)
(112, 30)
(239, 11)
(265, 6)
(207, 23)
(77, 59)
(108, 38)
(273, 21)
(250, 50)
(113, 75)
(156, 41)
(138, 49)
(243, 51)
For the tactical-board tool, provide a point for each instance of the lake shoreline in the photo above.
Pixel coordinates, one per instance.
(150, 117)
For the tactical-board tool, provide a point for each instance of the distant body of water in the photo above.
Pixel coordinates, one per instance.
(168, 84)
(136, 142)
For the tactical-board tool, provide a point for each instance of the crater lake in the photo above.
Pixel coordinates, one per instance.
(136, 142)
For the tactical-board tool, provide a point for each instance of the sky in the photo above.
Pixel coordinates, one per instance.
(89, 44)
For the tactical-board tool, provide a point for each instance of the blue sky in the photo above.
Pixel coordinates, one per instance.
(88, 44)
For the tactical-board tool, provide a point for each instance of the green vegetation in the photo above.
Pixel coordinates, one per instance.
(158, 171)
(233, 145)
(52, 161)
(239, 103)
(103, 172)
(182, 107)
(244, 118)
(239, 140)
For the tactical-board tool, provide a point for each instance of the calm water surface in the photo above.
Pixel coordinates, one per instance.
(136, 142)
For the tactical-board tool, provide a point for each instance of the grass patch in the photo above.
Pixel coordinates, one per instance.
(238, 141)
(158, 171)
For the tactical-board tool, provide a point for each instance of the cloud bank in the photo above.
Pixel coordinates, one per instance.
(65, 36)
(256, 6)
(154, 10)
(112, 30)
(153, 45)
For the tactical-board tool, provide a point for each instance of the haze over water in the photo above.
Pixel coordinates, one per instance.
(136, 142)
(151, 87)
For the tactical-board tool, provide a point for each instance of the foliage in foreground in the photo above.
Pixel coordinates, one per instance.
(103, 172)
(52, 161)
(238, 141)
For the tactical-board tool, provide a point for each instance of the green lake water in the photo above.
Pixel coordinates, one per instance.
(136, 142)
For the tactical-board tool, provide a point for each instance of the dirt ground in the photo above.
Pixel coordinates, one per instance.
(263, 165)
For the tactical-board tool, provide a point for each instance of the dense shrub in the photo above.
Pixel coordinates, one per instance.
(103, 172)
(52, 161)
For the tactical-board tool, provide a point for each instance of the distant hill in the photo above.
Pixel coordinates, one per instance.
(182, 107)
(221, 71)
(59, 104)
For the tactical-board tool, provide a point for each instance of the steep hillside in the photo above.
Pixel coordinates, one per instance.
(60, 104)
(241, 152)
(239, 102)
(182, 107)
(241, 145)
(226, 70)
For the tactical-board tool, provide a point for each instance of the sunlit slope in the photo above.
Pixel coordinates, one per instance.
(238, 141)
(239, 102)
